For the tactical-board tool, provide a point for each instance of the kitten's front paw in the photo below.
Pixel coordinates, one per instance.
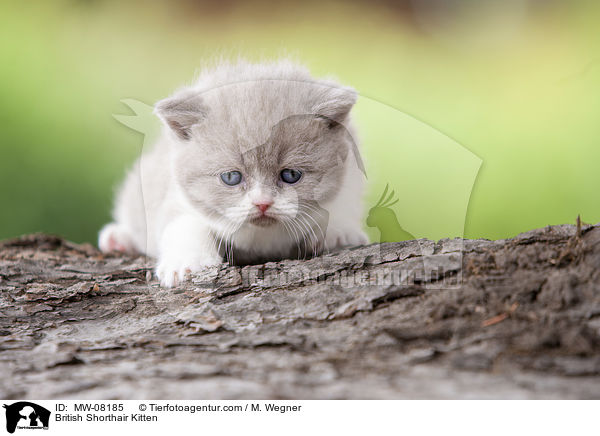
(114, 237)
(338, 238)
(175, 269)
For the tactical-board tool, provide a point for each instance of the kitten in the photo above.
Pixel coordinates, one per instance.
(256, 163)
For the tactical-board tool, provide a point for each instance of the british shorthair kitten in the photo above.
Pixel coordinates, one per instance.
(256, 163)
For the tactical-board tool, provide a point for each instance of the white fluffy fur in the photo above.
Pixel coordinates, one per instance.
(173, 206)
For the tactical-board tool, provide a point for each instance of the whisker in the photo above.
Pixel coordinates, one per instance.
(311, 232)
(316, 223)
(287, 229)
(303, 234)
(321, 211)
(320, 231)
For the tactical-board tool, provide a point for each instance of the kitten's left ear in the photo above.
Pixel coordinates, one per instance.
(181, 111)
(336, 104)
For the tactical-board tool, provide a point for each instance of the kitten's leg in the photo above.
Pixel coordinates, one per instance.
(343, 233)
(186, 246)
(114, 237)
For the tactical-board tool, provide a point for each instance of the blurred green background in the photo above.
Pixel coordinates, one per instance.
(514, 82)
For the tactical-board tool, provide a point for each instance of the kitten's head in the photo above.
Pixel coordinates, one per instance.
(259, 144)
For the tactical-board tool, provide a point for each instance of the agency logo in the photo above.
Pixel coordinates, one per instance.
(385, 219)
(26, 415)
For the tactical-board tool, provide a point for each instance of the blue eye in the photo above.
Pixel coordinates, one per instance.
(290, 176)
(231, 178)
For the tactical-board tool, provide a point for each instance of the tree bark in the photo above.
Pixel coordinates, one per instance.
(515, 318)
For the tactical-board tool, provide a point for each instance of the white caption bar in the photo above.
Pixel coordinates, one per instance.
(23, 417)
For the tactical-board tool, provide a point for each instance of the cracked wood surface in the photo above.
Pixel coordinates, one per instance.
(516, 318)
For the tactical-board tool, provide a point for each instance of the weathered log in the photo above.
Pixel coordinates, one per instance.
(515, 318)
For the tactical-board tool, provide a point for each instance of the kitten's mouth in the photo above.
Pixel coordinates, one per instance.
(263, 220)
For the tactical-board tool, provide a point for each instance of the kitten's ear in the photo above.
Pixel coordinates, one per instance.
(181, 111)
(335, 105)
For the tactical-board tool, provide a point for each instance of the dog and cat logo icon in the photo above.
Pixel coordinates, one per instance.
(26, 415)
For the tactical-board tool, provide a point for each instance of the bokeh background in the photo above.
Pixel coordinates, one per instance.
(514, 82)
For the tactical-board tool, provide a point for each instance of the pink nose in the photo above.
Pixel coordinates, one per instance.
(263, 206)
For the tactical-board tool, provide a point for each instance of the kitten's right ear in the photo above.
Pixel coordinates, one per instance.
(335, 104)
(181, 111)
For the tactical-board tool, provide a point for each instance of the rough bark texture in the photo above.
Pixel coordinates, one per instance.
(517, 318)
